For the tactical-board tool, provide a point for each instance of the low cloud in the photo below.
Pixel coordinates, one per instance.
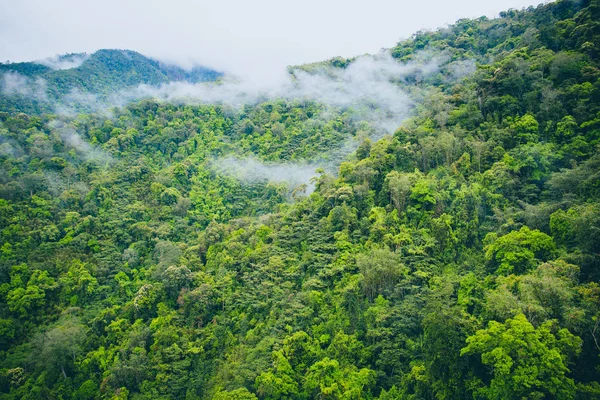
(64, 62)
(9, 148)
(460, 69)
(73, 140)
(12, 83)
(373, 87)
(370, 85)
(377, 89)
(253, 170)
(76, 102)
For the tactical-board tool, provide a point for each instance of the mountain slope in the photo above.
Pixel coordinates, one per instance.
(100, 74)
(457, 257)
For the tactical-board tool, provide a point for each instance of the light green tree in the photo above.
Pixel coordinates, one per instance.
(524, 362)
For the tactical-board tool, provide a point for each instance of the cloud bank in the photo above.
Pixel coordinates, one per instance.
(13, 83)
(253, 170)
(249, 38)
(371, 87)
(368, 85)
(73, 140)
(64, 62)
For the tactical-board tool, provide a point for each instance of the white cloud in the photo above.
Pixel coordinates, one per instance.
(253, 170)
(14, 83)
(64, 62)
(369, 85)
(253, 39)
(73, 140)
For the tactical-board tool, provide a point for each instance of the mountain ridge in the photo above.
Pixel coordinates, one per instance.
(161, 250)
(101, 73)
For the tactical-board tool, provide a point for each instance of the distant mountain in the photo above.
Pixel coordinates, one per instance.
(34, 86)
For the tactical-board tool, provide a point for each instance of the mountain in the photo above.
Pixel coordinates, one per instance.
(423, 223)
(101, 73)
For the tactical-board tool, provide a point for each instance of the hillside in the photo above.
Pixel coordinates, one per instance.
(422, 223)
(35, 87)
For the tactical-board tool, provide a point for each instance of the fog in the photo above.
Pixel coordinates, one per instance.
(372, 88)
(253, 170)
(370, 85)
(64, 62)
(13, 83)
(252, 42)
(252, 39)
(73, 140)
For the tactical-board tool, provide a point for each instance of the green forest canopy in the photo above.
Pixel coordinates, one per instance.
(458, 257)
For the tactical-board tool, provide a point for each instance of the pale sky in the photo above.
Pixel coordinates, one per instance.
(249, 38)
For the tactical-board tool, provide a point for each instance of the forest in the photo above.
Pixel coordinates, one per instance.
(456, 256)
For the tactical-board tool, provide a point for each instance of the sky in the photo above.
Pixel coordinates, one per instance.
(253, 39)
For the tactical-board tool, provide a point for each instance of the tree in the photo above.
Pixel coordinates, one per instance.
(327, 380)
(58, 348)
(279, 382)
(423, 193)
(548, 292)
(518, 251)
(445, 329)
(525, 362)
(398, 186)
(78, 283)
(525, 129)
(364, 149)
(381, 270)
(237, 394)
(26, 300)
(31, 298)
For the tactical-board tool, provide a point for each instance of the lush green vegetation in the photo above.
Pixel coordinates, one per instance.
(457, 258)
(38, 88)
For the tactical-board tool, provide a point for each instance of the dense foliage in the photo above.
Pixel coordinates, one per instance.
(36, 88)
(457, 258)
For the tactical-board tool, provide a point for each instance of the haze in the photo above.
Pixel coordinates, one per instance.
(252, 39)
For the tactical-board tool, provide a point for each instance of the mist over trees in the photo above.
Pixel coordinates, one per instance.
(440, 241)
